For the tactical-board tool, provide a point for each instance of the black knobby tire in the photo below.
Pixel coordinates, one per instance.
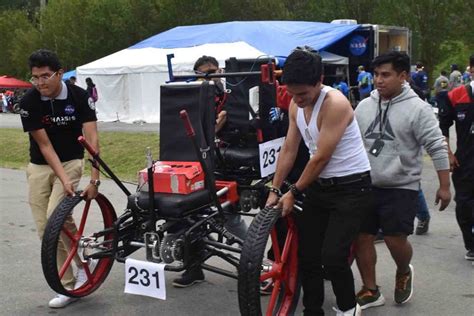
(50, 244)
(250, 266)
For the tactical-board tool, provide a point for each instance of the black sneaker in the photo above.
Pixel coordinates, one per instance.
(404, 286)
(189, 277)
(422, 227)
(469, 255)
(369, 298)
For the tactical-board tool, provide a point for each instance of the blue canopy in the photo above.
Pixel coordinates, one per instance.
(277, 38)
(69, 74)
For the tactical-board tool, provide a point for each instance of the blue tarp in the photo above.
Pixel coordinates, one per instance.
(277, 38)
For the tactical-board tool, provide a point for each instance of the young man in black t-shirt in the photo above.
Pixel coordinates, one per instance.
(55, 115)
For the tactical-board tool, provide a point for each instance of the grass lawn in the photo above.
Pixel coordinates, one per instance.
(124, 153)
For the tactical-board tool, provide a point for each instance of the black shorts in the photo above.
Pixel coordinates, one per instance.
(394, 212)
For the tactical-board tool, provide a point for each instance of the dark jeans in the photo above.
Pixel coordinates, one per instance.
(327, 228)
(464, 198)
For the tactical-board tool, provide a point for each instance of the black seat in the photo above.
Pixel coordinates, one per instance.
(240, 156)
(170, 205)
(197, 99)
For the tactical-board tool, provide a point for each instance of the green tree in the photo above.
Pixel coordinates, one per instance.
(15, 24)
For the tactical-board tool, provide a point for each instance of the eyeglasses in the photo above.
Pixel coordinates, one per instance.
(209, 72)
(43, 78)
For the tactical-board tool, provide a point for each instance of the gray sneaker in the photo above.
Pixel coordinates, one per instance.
(422, 227)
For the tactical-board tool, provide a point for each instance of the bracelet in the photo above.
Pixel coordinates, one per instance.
(275, 190)
(294, 190)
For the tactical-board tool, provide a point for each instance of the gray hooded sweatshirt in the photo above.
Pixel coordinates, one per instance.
(410, 124)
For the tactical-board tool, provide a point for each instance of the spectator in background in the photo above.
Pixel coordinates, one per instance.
(92, 90)
(466, 77)
(365, 82)
(441, 83)
(420, 79)
(72, 80)
(342, 86)
(455, 78)
(4, 99)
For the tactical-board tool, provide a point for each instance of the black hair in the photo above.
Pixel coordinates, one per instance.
(205, 60)
(454, 67)
(303, 66)
(400, 61)
(419, 65)
(444, 73)
(44, 58)
(89, 82)
(73, 78)
(471, 61)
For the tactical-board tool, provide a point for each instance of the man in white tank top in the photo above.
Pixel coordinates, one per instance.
(336, 182)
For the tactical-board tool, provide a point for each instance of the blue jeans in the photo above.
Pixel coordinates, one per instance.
(423, 213)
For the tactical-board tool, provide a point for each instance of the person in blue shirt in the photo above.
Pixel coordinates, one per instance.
(365, 82)
(341, 85)
(420, 79)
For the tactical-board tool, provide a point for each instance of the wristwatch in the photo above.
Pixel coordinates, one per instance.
(95, 182)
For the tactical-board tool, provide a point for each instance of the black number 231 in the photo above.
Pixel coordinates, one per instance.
(143, 278)
(269, 157)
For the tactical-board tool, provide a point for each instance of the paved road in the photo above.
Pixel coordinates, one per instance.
(444, 282)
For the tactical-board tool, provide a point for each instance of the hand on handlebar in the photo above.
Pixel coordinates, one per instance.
(286, 203)
(272, 199)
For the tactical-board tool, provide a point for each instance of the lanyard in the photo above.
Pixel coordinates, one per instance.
(383, 120)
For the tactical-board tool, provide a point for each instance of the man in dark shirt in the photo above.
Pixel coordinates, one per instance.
(55, 115)
(458, 106)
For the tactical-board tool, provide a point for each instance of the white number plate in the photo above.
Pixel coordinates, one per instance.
(269, 152)
(145, 278)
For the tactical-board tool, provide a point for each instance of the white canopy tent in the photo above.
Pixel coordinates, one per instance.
(128, 81)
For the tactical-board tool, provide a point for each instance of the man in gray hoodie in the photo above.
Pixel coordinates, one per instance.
(395, 124)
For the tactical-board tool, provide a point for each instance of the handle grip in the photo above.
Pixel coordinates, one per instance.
(187, 123)
(87, 146)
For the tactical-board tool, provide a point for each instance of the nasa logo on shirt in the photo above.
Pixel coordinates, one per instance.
(69, 109)
(91, 104)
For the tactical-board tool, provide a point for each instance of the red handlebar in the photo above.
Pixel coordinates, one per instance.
(86, 145)
(187, 123)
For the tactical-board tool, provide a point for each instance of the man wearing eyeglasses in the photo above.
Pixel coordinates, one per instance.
(336, 181)
(55, 115)
(208, 65)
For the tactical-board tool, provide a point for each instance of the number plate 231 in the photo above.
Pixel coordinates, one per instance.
(145, 278)
(268, 153)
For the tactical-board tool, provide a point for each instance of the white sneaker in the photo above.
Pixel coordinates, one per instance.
(356, 311)
(61, 301)
(81, 275)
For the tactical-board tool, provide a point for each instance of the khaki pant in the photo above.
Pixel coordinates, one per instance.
(45, 193)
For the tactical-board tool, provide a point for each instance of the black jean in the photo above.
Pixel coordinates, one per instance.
(464, 198)
(328, 225)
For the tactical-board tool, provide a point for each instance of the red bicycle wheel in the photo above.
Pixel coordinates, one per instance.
(79, 235)
(262, 235)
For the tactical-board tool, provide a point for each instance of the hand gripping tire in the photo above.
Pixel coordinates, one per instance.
(284, 270)
(95, 235)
